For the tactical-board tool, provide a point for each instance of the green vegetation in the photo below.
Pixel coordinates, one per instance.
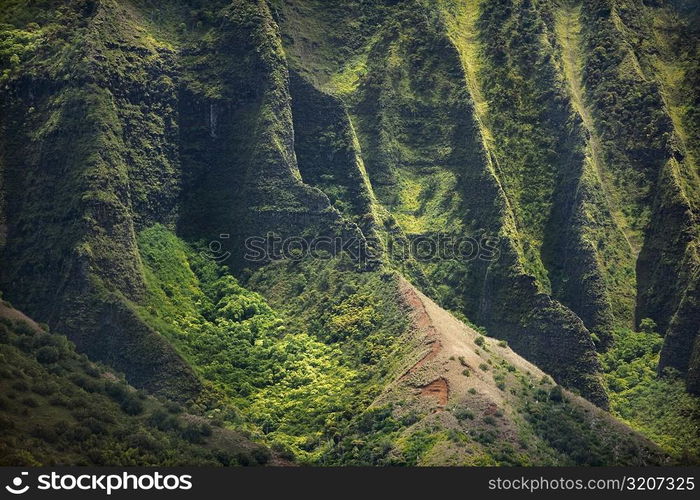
(56, 407)
(298, 380)
(657, 406)
(548, 426)
(134, 132)
(621, 95)
(422, 149)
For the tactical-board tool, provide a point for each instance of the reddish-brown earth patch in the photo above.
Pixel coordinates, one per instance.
(438, 389)
(421, 321)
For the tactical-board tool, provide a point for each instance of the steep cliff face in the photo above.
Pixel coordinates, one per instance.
(114, 131)
(547, 124)
(241, 176)
(650, 153)
(562, 136)
(89, 155)
(328, 153)
(431, 159)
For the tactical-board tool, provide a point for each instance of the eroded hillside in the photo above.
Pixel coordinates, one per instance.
(134, 134)
(464, 399)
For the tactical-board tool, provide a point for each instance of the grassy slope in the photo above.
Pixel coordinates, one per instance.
(57, 408)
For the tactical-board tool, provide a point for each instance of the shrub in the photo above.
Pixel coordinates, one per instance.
(116, 391)
(30, 402)
(91, 370)
(131, 405)
(20, 385)
(556, 394)
(163, 421)
(541, 395)
(44, 388)
(261, 455)
(4, 334)
(410, 419)
(23, 328)
(243, 459)
(647, 325)
(78, 433)
(173, 407)
(464, 414)
(144, 441)
(24, 342)
(88, 384)
(206, 430)
(283, 451)
(47, 355)
(6, 423)
(224, 457)
(58, 400)
(194, 432)
(45, 432)
(486, 437)
(95, 426)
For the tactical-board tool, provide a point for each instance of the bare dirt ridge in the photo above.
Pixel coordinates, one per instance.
(464, 381)
(450, 367)
(422, 322)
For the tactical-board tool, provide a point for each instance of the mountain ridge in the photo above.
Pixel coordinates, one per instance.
(136, 136)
